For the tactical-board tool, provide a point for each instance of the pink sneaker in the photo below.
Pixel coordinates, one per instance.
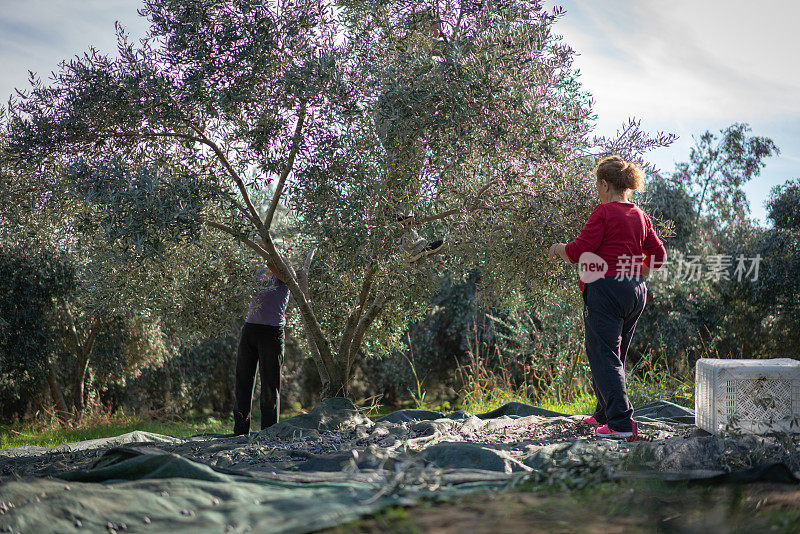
(605, 432)
(589, 421)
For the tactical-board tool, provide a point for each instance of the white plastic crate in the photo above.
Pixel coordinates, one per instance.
(757, 396)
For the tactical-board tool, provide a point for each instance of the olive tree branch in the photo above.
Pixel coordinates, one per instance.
(203, 138)
(296, 139)
(253, 214)
(306, 311)
(249, 210)
(356, 313)
(472, 204)
(300, 294)
(228, 230)
(441, 215)
(71, 328)
(302, 279)
(309, 259)
(363, 325)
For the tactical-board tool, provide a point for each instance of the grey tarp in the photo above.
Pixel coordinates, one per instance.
(334, 464)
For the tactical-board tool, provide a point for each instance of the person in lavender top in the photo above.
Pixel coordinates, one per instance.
(261, 343)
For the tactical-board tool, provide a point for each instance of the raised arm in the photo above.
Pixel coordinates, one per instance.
(274, 271)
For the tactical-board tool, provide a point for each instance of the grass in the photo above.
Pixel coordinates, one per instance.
(641, 390)
(484, 401)
(583, 403)
(104, 425)
(50, 434)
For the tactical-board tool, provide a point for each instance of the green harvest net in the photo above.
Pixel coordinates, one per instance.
(334, 464)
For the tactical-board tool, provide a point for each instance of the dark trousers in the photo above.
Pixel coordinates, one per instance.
(610, 312)
(260, 345)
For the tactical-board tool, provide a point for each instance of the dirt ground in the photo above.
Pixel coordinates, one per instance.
(607, 508)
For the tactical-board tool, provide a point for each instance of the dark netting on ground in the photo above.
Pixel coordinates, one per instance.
(334, 464)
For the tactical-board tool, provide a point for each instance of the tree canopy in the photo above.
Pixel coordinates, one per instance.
(718, 167)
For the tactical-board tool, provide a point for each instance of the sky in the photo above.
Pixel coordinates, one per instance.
(687, 66)
(679, 66)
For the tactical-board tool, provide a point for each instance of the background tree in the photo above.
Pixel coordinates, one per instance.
(777, 292)
(784, 206)
(103, 312)
(29, 282)
(717, 169)
(690, 316)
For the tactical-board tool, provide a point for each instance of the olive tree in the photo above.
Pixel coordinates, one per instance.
(784, 205)
(689, 316)
(777, 290)
(718, 167)
(81, 316)
(466, 115)
(29, 281)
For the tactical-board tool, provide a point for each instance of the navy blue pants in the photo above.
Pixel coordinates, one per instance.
(262, 346)
(610, 312)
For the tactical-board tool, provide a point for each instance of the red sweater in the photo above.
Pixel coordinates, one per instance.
(621, 234)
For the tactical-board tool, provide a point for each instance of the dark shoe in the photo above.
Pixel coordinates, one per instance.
(241, 425)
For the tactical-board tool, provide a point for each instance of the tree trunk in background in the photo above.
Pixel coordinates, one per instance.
(337, 387)
(78, 389)
(62, 411)
(83, 351)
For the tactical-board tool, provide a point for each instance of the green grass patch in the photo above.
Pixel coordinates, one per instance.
(107, 426)
(485, 401)
(662, 386)
(641, 390)
(97, 426)
(583, 403)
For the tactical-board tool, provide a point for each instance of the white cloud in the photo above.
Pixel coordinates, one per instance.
(686, 60)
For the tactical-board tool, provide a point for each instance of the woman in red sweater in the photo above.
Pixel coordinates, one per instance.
(616, 249)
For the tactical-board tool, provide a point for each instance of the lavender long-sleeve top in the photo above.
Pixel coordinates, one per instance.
(268, 307)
